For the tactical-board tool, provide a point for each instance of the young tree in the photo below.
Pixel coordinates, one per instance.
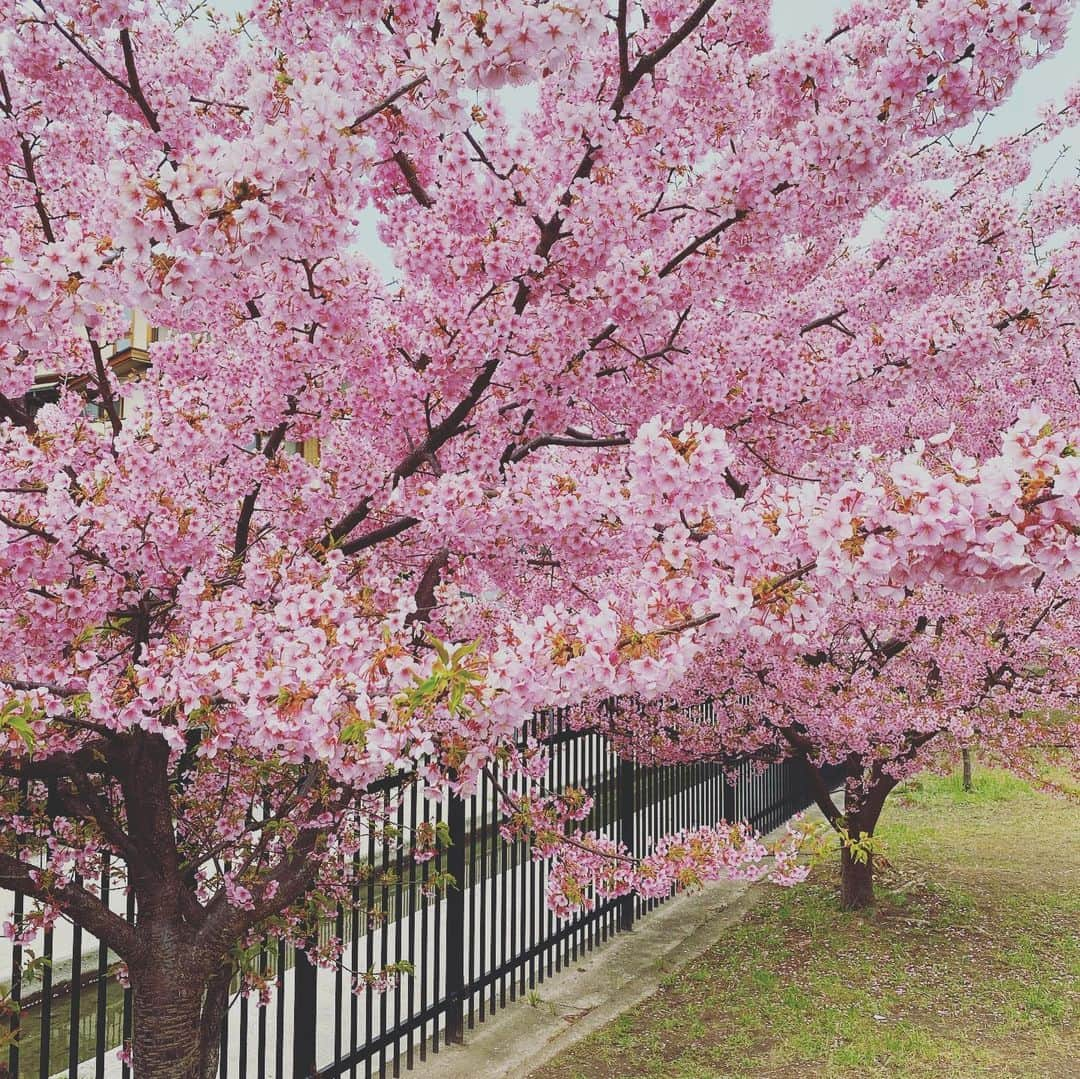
(596, 324)
(965, 757)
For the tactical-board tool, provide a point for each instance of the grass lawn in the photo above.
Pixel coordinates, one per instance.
(968, 966)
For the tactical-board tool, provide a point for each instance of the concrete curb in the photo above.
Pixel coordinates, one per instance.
(604, 983)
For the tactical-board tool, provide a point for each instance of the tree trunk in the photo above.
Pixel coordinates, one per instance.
(965, 753)
(862, 808)
(178, 1008)
(856, 881)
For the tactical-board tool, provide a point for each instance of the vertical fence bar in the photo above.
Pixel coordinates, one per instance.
(279, 1018)
(399, 876)
(370, 921)
(494, 919)
(304, 1005)
(411, 904)
(102, 983)
(384, 922)
(455, 921)
(557, 782)
(260, 1051)
(511, 913)
(339, 983)
(483, 884)
(574, 781)
(242, 1038)
(626, 775)
(75, 1000)
(553, 960)
(15, 991)
(424, 937)
(727, 800)
(473, 885)
(46, 1007)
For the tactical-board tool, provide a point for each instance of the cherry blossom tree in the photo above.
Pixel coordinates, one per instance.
(888, 693)
(605, 414)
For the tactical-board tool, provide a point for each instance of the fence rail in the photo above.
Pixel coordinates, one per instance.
(473, 949)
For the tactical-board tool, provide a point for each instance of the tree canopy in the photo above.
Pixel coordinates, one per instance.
(692, 345)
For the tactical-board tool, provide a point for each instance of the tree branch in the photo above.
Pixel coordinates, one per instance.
(416, 188)
(832, 321)
(575, 442)
(108, 402)
(425, 590)
(437, 437)
(647, 63)
(386, 102)
(83, 908)
(695, 245)
(39, 202)
(378, 535)
(247, 506)
(134, 87)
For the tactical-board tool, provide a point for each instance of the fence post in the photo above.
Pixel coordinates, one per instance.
(455, 922)
(626, 775)
(304, 1010)
(728, 802)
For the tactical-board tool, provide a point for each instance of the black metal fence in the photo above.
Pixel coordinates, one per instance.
(473, 948)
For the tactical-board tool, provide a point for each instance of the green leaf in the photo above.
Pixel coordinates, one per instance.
(429, 686)
(439, 647)
(464, 651)
(457, 696)
(37, 966)
(355, 733)
(17, 716)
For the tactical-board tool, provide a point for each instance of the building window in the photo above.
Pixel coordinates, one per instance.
(95, 412)
(45, 394)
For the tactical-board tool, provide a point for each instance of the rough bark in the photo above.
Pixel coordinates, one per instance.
(965, 753)
(178, 1007)
(861, 811)
(179, 976)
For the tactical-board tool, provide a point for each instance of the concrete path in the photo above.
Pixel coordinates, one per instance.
(606, 982)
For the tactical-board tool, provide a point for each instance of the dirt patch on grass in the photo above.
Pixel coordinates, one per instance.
(968, 967)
